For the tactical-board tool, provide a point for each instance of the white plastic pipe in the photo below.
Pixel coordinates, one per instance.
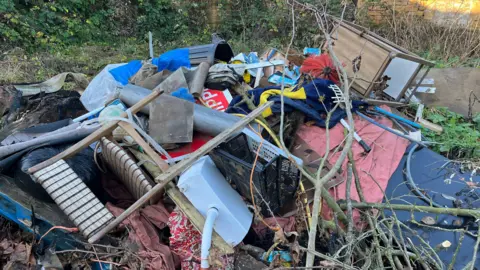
(212, 214)
(150, 44)
(85, 116)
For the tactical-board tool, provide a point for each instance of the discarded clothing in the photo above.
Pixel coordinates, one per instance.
(374, 169)
(223, 76)
(314, 99)
(147, 70)
(155, 254)
(310, 114)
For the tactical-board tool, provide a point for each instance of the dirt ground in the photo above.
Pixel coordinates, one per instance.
(454, 86)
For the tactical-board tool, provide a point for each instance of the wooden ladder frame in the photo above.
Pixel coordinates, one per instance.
(163, 173)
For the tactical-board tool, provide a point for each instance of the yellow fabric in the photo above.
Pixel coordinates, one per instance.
(299, 94)
(247, 77)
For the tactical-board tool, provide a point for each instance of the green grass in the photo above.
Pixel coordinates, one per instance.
(460, 138)
(19, 66)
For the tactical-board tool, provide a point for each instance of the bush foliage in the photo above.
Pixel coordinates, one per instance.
(33, 24)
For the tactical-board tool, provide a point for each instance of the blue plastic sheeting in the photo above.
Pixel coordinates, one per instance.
(123, 73)
(173, 60)
(183, 93)
(430, 172)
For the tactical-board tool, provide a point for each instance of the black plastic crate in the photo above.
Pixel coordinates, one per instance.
(275, 177)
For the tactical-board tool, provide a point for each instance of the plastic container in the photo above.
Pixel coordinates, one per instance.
(206, 188)
(210, 53)
(275, 177)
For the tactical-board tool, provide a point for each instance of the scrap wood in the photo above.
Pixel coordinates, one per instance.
(183, 203)
(379, 102)
(145, 146)
(178, 168)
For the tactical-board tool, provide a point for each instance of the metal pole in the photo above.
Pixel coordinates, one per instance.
(150, 44)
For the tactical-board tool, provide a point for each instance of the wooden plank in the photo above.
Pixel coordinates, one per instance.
(146, 147)
(184, 204)
(379, 102)
(95, 136)
(178, 168)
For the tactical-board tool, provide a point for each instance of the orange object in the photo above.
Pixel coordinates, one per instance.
(320, 66)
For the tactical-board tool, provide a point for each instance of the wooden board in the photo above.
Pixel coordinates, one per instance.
(348, 45)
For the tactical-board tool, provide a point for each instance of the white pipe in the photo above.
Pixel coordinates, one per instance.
(85, 116)
(150, 44)
(212, 214)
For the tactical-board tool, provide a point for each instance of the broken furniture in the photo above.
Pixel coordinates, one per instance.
(70, 193)
(125, 168)
(47, 171)
(377, 64)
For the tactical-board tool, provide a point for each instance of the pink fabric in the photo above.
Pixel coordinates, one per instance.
(380, 163)
(155, 254)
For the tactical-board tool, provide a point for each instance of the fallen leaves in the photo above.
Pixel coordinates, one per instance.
(444, 245)
(428, 220)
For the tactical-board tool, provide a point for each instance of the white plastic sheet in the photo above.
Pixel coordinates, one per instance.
(100, 89)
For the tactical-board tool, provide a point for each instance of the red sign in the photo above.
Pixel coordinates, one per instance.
(217, 100)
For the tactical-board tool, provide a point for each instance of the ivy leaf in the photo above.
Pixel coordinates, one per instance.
(436, 118)
(476, 118)
(444, 148)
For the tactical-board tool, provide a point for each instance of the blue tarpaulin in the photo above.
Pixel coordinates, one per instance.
(123, 73)
(171, 60)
